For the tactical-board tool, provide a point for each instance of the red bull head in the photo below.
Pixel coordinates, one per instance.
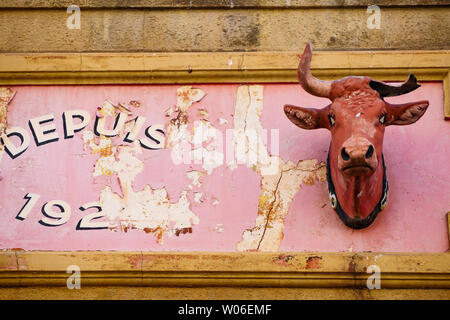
(356, 118)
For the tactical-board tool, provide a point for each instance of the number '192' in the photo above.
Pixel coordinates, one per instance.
(57, 213)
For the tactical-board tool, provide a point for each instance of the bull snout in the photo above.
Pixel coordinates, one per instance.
(357, 157)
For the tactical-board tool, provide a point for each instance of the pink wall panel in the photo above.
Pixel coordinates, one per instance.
(226, 202)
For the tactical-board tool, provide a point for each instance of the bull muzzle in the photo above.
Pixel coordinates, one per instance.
(357, 157)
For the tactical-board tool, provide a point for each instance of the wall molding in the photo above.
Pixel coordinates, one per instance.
(44, 270)
(220, 67)
(221, 269)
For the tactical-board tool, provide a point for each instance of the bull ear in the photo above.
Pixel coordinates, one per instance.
(404, 114)
(307, 118)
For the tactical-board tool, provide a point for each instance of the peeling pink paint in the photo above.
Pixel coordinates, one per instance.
(229, 199)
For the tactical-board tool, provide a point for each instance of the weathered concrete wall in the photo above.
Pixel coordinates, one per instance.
(134, 26)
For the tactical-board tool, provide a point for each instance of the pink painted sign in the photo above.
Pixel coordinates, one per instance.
(208, 167)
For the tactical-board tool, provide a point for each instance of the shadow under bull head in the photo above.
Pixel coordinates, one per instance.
(356, 118)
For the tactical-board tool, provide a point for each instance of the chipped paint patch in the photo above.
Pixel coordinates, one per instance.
(101, 145)
(277, 193)
(177, 133)
(194, 176)
(280, 180)
(222, 121)
(187, 95)
(219, 228)
(6, 95)
(198, 197)
(203, 113)
(249, 146)
(107, 109)
(198, 142)
(149, 209)
(206, 142)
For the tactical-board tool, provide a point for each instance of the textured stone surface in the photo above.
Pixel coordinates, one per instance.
(225, 293)
(213, 3)
(219, 29)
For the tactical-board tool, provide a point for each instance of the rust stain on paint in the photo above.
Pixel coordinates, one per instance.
(135, 262)
(280, 180)
(283, 260)
(313, 262)
(135, 103)
(351, 266)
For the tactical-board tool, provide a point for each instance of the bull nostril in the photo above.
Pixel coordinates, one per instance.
(345, 155)
(369, 152)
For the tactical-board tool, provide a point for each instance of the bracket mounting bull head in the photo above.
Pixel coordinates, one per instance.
(356, 118)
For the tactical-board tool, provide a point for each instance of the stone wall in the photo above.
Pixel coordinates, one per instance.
(233, 25)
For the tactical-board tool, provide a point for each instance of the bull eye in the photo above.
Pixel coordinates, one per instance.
(383, 118)
(331, 119)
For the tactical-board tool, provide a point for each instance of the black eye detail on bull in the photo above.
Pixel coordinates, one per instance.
(383, 118)
(331, 119)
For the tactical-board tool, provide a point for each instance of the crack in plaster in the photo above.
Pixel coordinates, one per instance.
(280, 180)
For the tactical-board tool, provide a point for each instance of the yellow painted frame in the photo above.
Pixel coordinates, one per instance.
(221, 67)
(230, 275)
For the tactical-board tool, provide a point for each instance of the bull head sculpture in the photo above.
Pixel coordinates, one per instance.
(356, 118)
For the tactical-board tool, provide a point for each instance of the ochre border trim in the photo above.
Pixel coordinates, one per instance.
(220, 67)
(199, 269)
(41, 269)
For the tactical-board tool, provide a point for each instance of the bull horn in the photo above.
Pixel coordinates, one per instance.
(309, 83)
(386, 90)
